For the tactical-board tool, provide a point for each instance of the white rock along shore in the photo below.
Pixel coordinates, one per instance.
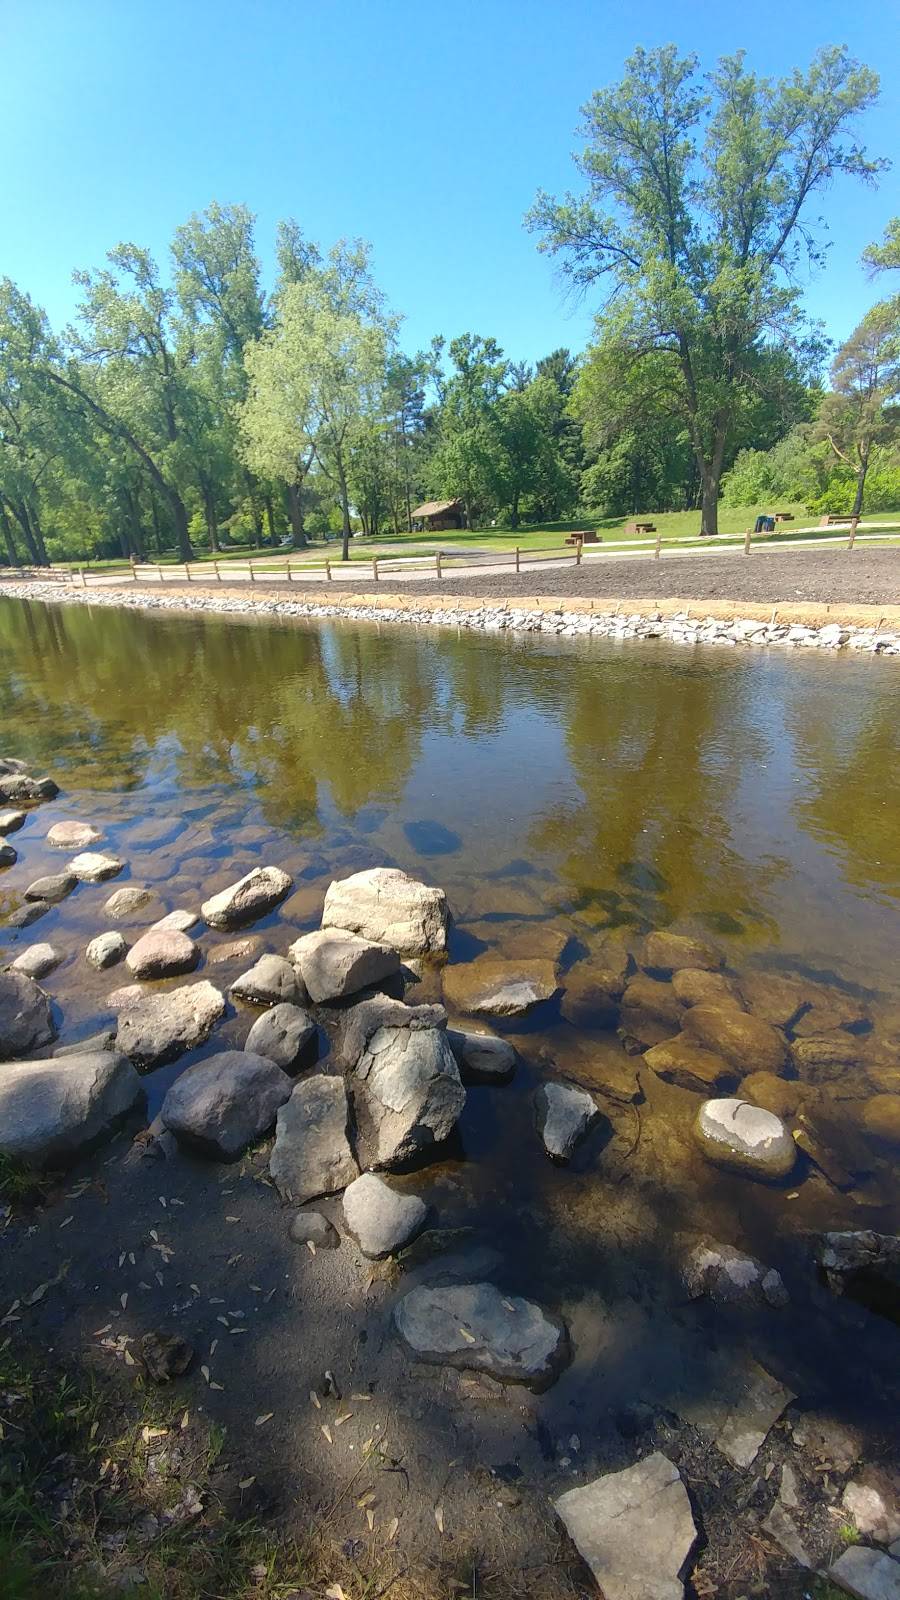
(566, 619)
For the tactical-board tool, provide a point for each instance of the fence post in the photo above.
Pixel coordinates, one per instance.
(579, 546)
(327, 570)
(747, 542)
(375, 568)
(853, 526)
(437, 563)
(132, 564)
(250, 565)
(658, 546)
(290, 579)
(217, 572)
(517, 558)
(82, 577)
(187, 571)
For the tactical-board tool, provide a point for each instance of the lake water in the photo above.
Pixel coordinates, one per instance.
(559, 792)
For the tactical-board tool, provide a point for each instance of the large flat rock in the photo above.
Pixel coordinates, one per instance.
(334, 963)
(51, 1111)
(494, 987)
(475, 1325)
(867, 1574)
(386, 905)
(734, 1401)
(634, 1529)
(407, 1088)
(312, 1155)
(155, 1028)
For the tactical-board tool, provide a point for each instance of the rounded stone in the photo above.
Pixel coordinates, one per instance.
(36, 961)
(106, 950)
(745, 1138)
(8, 856)
(53, 888)
(93, 867)
(310, 1227)
(282, 1033)
(881, 1118)
(162, 955)
(381, 1220)
(663, 951)
(73, 835)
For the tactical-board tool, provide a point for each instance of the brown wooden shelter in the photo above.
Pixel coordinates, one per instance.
(437, 514)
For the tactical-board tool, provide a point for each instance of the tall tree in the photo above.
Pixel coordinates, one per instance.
(885, 257)
(696, 217)
(860, 412)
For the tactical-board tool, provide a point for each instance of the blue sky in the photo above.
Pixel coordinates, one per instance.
(425, 126)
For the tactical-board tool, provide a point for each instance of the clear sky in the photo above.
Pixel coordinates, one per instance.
(425, 126)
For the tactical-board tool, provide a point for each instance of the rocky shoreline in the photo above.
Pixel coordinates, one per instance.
(671, 621)
(362, 1084)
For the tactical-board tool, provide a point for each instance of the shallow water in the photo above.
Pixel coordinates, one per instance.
(554, 789)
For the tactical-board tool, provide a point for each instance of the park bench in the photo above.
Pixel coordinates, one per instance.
(834, 522)
(640, 527)
(588, 536)
(783, 516)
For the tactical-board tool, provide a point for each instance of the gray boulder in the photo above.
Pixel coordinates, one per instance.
(25, 915)
(11, 821)
(334, 964)
(312, 1153)
(155, 1028)
(73, 835)
(564, 1115)
(864, 1266)
(163, 954)
(282, 1034)
(474, 1325)
(745, 1138)
(729, 1276)
(391, 908)
(482, 1057)
(248, 899)
(868, 1574)
(106, 950)
(224, 1104)
(51, 1111)
(408, 1093)
(124, 904)
(381, 1220)
(18, 788)
(634, 1529)
(104, 1040)
(8, 856)
(26, 1021)
(268, 983)
(176, 922)
(92, 866)
(53, 888)
(36, 961)
(310, 1227)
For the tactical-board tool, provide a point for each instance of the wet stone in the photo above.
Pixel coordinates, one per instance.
(175, 922)
(11, 821)
(695, 987)
(93, 867)
(672, 952)
(312, 1155)
(688, 1065)
(735, 1402)
(25, 915)
(106, 950)
(20, 788)
(745, 1042)
(8, 856)
(36, 961)
(774, 998)
(864, 1266)
(564, 1116)
(126, 902)
(729, 1276)
(251, 897)
(482, 1057)
(745, 1138)
(155, 1028)
(271, 981)
(73, 835)
(491, 986)
(26, 1021)
(162, 955)
(52, 888)
(380, 1219)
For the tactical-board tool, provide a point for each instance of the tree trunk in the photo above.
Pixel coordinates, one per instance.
(295, 512)
(180, 518)
(270, 518)
(345, 508)
(37, 534)
(709, 504)
(157, 534)
(209, 508)
(514, 513)
(860, 486)
(21, 515)
(8, 540)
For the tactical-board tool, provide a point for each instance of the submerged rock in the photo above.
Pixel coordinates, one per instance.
(224, 1104)
(387, 906)
(594, 987)
(128, 901)
(491, 986)
(27, 914)
(673, 952)
(475, 1325)
(73, 835)
(734, 1401)
(94, 867)
(687, 1064)
(106, 950)
(174, 921)
(748, 1044)
(51, 1111)
(282, 1033)
(18, 788)
(634, 1529)
(695, 987)
(36, 961)
(270, 982)
(745, 1138)
(408, 1092)
(312, 1154)
(564, 1115)
(729, 1276)
(250, 897)
(334, 963)
(774, 998)
(162, 955)
(26, 1020)
(155, 1028)
(864, 1266)
(482, 1057)
(380, 1219)
(11, 821)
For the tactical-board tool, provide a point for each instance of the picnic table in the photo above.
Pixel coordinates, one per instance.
(783, 516)
(588, 536)
(640, 527)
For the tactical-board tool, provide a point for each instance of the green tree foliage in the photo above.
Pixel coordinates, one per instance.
(859, 415)
(697, 217)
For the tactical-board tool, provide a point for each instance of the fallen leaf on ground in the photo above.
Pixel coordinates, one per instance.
(262, 1420)
(246, 1483)
(327, 1432)
(439, 1518)
(393, 1525)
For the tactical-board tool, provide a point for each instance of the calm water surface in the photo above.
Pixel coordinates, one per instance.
(563, 786)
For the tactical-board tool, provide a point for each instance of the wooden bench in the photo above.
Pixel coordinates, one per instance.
(783, 516)
(587, 537)
(640, 527)
(835, 522)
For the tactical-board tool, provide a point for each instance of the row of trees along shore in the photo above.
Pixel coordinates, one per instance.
(196, 407)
